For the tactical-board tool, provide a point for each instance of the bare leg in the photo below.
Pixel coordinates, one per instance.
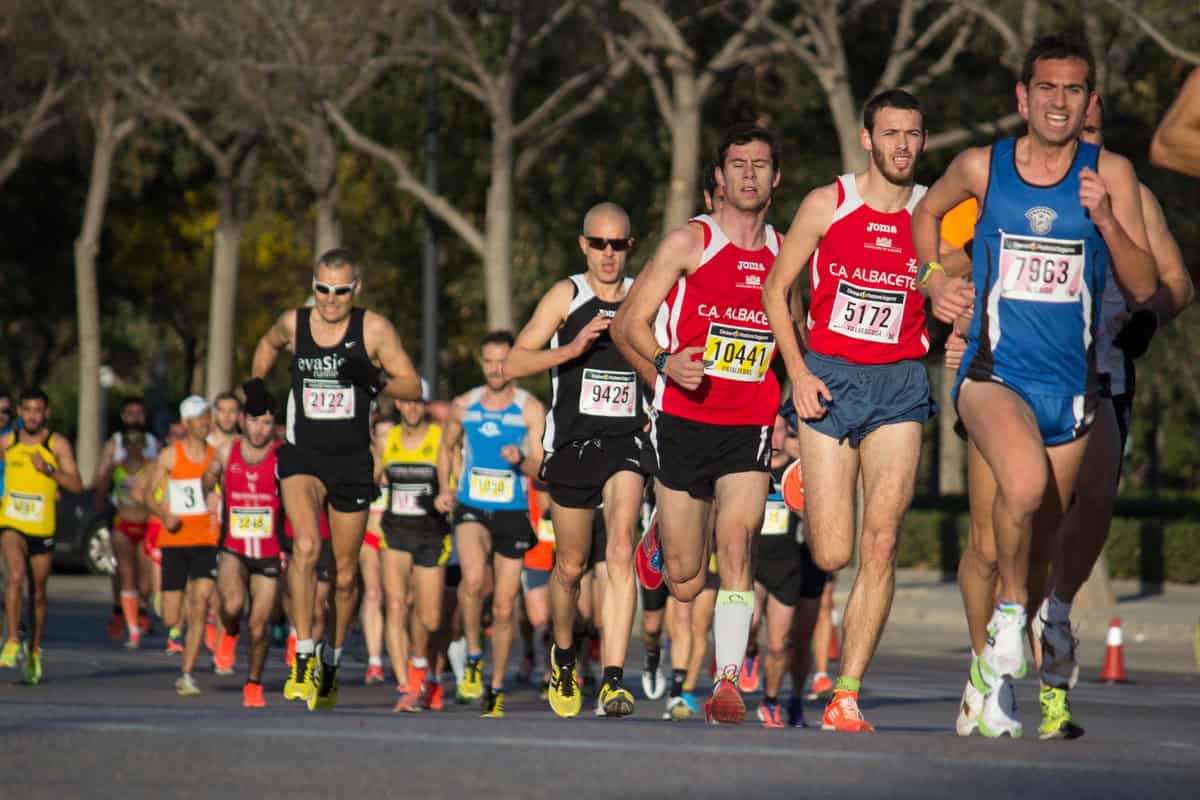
(397, 568)
(303, 497)
(346, 535)
(504, 597)
(263, 591)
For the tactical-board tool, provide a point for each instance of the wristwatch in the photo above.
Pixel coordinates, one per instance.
(660, 360)
(926, 269)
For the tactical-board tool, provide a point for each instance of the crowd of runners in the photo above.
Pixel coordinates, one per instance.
(698, 457)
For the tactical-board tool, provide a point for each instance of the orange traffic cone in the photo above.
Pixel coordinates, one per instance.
(835, 644)
(1114, 660)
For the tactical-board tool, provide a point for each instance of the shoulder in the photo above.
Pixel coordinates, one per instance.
(462, 403)
(818, 205)
(58, 443)
(166, 457)
(1115, 165)
(530, 405)
(376, 326)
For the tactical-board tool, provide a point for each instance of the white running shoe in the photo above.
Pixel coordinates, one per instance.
(654, 682)
(1004, 654)
(999, 714)
(969, 710)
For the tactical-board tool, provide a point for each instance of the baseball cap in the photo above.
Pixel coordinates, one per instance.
(192, 406)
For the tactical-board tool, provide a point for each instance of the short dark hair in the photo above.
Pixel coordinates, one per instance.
(132, 400)
(34, 393)
(501, 336)
(708, 181)
(745, 133)
(227, 396)
(1058, 46)
(337, 258)
(890, 98)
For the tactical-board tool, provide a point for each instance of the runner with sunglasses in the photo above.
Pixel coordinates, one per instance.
(593, 447)
(343, 357)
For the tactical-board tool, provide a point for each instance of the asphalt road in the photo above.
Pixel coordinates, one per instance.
(106, 723)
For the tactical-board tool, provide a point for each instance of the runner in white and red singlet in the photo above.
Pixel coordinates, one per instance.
(696, 312)
(249, 553)
(861, 388)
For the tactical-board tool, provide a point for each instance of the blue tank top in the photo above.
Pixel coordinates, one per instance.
(1039, 268)
(489, 482)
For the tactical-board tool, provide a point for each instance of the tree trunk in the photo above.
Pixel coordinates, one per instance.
(497, 263)
(108, 136)
(952, 455)
(329, 232)
(846, 120)
(322, 168)
(223, 297)
(685, 150)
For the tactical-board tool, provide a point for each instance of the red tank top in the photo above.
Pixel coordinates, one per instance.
(719, 307)
(865, 305)
(251, 505)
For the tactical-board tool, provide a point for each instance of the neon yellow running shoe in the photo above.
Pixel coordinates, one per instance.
(493, 704)
(564, 692)
(325, 695)
(8, 656)
(471, 687)
(1056, 715)
(300, 685)
(33, 666)
(616, 700)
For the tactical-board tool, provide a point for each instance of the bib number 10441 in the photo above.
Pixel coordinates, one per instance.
(739, 354)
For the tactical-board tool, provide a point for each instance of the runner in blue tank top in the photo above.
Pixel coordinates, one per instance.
(1053, 211)
(498, 429)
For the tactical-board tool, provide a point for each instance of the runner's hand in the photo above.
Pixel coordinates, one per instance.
(172, 523)
(685, 367)
(364, 374)
(807, 391)
(956, 345)
(444, 502)
(950, 297)
(39, 463)
(512, 454)
(258, 400)
(583, 340)
(1093, 196)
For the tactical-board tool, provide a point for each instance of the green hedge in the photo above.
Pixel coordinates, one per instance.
(1149, 548)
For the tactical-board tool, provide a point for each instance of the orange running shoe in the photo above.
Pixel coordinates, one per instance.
(226, 655)
(252, 696)
(174, 644)
(726, 704)
(408, 701)
(374, 675)
(792, 484)
(144, 623)
(210, 635)
(768, 714)
(431, 697)
(290, 654)
(822, 687)
(416, 677)
(748, 678)
(842, 714)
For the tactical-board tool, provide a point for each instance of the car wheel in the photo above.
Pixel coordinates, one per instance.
(98, 555)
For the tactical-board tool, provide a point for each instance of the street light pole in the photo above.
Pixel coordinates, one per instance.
(429, 272)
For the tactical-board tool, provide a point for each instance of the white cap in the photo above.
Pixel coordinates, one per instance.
(424, 391)
(192, 406)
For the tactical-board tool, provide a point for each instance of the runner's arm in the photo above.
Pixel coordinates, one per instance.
(1176, 143)
(279, 336)
(104, 474)
(535, 427)
(383, 344)
(527, 356)
(966, 177)
(1122, 226)
(212, 476)
(67, 474)
(158, 473)
(1175, 291)
(450, 444)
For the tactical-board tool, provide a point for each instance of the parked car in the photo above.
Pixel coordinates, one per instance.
(84, 536)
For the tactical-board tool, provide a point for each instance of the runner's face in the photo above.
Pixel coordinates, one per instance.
(176, 432)
(331, 306)
(491, 359)
(225, 417)
(34, 414)
(133, 414)
(259, 430)
(1093, 126)
(605, 265)
(896, 141)
(199, 427)
(411, 411)
(747, 176)
(1056, 99)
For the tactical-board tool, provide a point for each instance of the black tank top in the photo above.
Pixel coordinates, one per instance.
(326, 414)
(597, 395)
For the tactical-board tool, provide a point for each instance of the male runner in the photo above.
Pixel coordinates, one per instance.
(37, 464)
(134, 566)
(1055, 214)
(343, 357)
(1176, 143)
(696, 313)
(227, 410)
(498, 429)
(593, 447)
(370, 560)
(861, 388)
(249, 550)
(189, 534)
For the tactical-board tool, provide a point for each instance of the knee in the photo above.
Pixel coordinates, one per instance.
(305, 549)
(431, 619)
(878, 547)
(502, 610)
(569, 571)
(734, 556)
(1022, 494)
(679, 570)
(686, 591)
(471, 583)
(828, 558)
(372, 597)
(396, 607)
(619, 552)
(345, 580)
(232, 608)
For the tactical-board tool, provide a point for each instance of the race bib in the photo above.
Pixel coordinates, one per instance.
(608, 394)
(873, 315)
(327, 399)
(545, 530)
(251, 523)
(775, 520)
(25, 507)
(406, 499)
(1041, 270)
(739, 354)
(492, 485)
(185, 497)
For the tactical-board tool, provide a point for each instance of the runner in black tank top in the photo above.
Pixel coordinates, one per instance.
(593, 446)
(344, 358)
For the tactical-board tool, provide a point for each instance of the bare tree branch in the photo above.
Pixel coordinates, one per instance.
(957, 136)
(36, 120)
(1156, 35)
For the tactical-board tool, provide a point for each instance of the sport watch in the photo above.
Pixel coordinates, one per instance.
(660, 360)
(926, 269)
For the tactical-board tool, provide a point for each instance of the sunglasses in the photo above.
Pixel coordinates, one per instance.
(6, 410)
(339, 290)
(600, 243)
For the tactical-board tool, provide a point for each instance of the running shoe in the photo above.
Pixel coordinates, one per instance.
(1004, 654)
(648, 559)
(300, 684)
(615, 700)
(174, 642)
(10, 653)
(725, 705)
(768, 715)
(326, 694)
(843, 714)
(409, 700)
(795, 712)
(1059, 667)
(431, 696)
(821, 688)
(33, 666)
(135, 639)
(969, 710)
(185, 686)
(654, 681)
(565, 697)
(374, 675)
(210, 634)
(749, 677)
(493, 704)
(792, 486)
(678, 709)
(289, 654)
(225, 655)
(252, 696)
(999, 714)
(145, 624)
(471, 687)
(116, 625)
(1057, 722)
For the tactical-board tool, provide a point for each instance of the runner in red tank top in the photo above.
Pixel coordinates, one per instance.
(696, 313)
(249, 555)
(861, 388)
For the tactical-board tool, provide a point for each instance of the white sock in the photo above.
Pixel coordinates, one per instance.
(1057, 610)
(731, 628)
(420, 663)
(374, 661)
(456, 653)
(305, 647)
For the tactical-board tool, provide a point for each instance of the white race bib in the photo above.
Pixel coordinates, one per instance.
(185, 497)
(545, 530)
(738, 354)
(492, 485)
(251, 523)
(775, 519)
(327, 399)
(873, 315)
(406, 499)
(608, 394)
(25, 507)
(1041, 270)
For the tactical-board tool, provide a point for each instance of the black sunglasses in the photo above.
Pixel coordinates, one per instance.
(600, 243)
